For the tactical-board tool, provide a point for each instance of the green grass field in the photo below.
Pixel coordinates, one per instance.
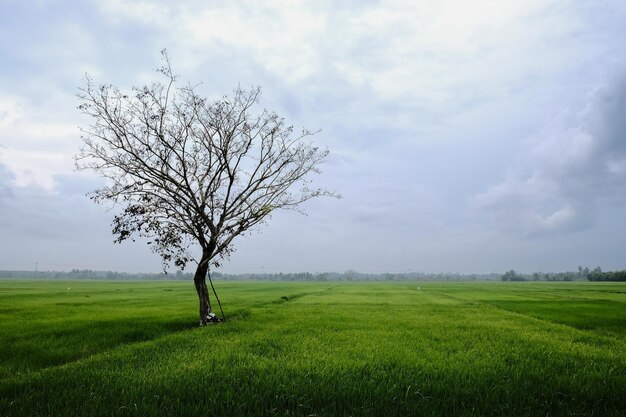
(85, 348)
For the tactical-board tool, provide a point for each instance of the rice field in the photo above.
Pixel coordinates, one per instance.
(93, 348)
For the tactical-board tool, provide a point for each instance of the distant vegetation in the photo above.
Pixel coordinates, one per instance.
(583, 274)
(297, 276)
(598, 275)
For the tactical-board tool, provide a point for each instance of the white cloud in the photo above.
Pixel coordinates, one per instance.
(10, 112)
(570, 168)
(35, 148)
(403, 49)
(148, 12)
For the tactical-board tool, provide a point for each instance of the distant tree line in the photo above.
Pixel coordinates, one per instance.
(582, 274)
(91, 274)
(356, 276)
(597, 275)
(349, 275)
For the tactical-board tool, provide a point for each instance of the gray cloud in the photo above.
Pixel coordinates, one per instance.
(42, 214)
(572, 167)
(61, 229)
(6, 177)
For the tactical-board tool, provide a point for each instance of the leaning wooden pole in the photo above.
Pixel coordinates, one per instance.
(216, 297)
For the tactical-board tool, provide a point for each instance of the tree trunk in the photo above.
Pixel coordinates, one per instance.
(199, 280)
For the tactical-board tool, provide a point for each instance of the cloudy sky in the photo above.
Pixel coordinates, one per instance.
(465, 136)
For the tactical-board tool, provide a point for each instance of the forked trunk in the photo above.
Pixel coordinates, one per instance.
(199, 279)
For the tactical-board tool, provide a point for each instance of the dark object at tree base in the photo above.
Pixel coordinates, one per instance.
(211, 318)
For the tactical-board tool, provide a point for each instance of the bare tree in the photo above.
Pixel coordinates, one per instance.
(192, 174)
